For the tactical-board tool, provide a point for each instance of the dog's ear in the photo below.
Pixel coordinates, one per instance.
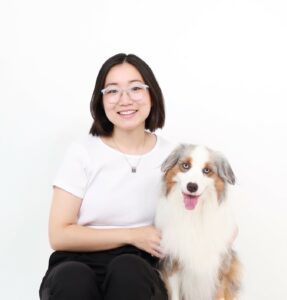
(173, 158)
(223, 168)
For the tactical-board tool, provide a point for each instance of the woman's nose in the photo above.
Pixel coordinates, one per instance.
(125, 98)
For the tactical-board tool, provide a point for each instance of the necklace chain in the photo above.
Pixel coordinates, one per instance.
(133, 167)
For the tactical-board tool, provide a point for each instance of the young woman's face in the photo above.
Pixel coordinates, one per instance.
(126, 99)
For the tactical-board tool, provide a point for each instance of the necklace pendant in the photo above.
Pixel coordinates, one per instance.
(134, 169)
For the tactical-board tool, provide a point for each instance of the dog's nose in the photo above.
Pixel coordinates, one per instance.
(192, 187)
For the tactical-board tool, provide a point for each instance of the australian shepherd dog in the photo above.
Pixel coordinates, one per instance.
(197, 226)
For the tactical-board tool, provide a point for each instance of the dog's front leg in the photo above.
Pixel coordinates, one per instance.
(220, 294)
(174, 286)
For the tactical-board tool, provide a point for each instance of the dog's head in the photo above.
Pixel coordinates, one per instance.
(196, 170)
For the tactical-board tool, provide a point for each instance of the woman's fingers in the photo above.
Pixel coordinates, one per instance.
(148, 239)
(156, 251)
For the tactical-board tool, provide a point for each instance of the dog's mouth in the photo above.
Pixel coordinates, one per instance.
(190, 201)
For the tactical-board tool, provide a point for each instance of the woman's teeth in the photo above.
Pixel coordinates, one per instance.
(127, 112)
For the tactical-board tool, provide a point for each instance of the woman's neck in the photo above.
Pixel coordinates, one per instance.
(130, 142)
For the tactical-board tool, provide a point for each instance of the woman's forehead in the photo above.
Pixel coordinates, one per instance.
(123, 74)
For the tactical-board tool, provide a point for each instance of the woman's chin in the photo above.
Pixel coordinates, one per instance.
(129, 123)
(129, 127)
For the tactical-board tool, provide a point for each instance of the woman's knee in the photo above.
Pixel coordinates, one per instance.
(131, 277)
(128, 270)
(69, 279)
(72, 271)
(129, 264)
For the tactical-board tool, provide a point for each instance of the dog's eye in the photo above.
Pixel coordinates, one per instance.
(206, 171)
(185, 166)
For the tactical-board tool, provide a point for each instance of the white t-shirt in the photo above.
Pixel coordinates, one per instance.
(112, 196)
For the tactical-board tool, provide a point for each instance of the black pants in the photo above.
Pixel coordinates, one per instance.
(125, 273)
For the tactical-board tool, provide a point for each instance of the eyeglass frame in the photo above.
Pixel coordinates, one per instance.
(127, 90)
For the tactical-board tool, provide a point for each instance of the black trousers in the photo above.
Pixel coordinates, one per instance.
(124, 273)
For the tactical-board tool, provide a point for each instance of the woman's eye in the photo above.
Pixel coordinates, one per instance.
(136, 88)
(206, 171)
(112, 91)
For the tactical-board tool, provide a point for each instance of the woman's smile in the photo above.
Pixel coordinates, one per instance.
(127, 114)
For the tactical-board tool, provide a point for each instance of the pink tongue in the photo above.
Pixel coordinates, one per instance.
(190, 201)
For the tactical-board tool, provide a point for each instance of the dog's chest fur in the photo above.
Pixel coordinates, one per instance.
(196, 239)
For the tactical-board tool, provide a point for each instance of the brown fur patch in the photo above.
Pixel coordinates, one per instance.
(230, 280)
(218, 182)
(167, 269)
(168, 177)
(219, 185)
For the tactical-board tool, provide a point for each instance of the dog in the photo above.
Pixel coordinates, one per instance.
(197, 226)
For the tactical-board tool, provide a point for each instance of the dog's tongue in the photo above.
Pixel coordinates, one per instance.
(190, 201)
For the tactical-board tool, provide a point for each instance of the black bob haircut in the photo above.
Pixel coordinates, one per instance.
(101, 125)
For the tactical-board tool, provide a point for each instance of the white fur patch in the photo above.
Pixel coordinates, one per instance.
(197, 238)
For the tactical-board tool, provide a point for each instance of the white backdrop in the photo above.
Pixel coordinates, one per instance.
(222, 67)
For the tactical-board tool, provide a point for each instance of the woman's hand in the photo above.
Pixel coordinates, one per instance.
(146, 238)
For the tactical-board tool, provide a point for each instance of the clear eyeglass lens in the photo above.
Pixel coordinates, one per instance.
(135, 92)
(110, 92)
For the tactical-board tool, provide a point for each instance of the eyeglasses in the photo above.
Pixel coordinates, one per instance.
(113, 93)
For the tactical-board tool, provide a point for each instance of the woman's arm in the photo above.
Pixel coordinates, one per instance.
(65, 234)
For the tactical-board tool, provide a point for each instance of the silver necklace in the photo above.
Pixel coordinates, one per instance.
(133, 167)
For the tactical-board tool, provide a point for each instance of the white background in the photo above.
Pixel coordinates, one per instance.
(222, 66)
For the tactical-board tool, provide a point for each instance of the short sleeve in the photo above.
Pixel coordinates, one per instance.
(72, 175)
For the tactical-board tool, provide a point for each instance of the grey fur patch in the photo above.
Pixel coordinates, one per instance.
(223, 167)
(178, 153)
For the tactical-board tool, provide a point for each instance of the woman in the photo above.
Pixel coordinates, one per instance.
(105, 193)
